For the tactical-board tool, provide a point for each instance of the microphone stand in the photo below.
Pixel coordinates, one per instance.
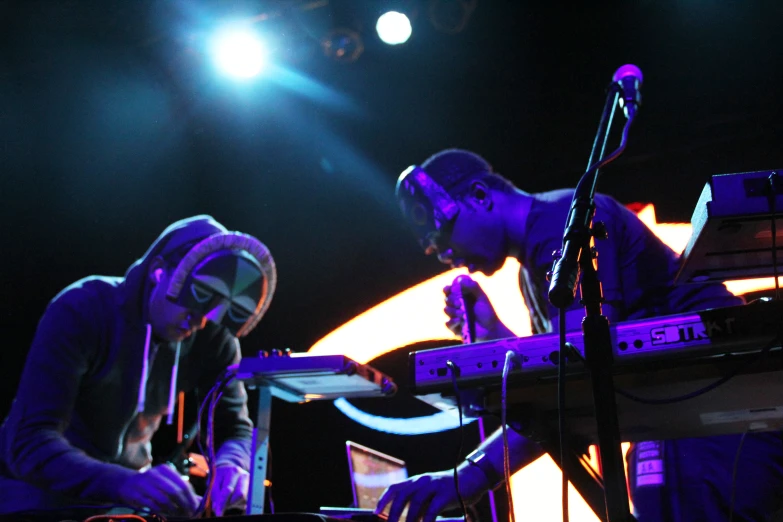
(578, 256)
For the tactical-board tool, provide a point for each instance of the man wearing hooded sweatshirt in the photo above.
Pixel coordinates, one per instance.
(107, 361)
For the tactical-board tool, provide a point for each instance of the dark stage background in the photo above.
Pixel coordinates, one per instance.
(113, 124)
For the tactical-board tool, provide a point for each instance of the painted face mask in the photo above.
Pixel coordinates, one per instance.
(227, 278)
(427, 207)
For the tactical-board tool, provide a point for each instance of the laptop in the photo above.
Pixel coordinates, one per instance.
(371, 472)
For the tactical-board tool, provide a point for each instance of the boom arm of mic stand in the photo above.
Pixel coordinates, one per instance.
(565, 272)
(576, 255)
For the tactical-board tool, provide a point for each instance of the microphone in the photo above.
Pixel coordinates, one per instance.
(466, 302)
(629, 77)
(565, 270)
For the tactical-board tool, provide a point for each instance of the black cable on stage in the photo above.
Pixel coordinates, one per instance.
(454, 371)
(212, 397)
(507, 363)
(701, 391)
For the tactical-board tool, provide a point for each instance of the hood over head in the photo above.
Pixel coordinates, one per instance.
(201, 244)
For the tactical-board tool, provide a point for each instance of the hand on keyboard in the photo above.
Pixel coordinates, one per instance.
(430, 494)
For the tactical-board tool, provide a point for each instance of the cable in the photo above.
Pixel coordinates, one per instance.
(203, 504)
(734, 476)
(503, 410)
(575, 229)
(681, 398)
(723, 380)
(579, 231)
(212, 397)
(592, 170)
(771, 194)
(211, 458)
(211, 447)
(269, 472)
(454, 371)
(562, 362)
(591, 174)
(211, 439)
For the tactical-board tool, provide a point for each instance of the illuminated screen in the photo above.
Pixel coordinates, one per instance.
(371, 473)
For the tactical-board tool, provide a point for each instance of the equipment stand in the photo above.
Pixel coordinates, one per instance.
(598, 358)
(260, 452)
(577, 255)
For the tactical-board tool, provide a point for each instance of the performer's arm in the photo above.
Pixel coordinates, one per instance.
(430, 494)
(488, 457)
(35, 449)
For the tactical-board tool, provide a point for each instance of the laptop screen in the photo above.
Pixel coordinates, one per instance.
(371, 473)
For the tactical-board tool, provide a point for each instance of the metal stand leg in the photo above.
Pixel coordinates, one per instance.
(598, 354)
(260, 453)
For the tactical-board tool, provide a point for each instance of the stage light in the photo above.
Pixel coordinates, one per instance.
(393, 28)
(238, 52)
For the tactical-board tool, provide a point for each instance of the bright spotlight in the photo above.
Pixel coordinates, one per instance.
(393, 28)
(239, 53)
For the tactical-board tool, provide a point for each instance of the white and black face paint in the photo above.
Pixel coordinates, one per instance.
(226, 288)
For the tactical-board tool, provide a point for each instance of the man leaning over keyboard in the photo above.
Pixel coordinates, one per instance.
(470, 216)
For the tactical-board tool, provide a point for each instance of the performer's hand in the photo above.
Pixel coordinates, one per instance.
(488, 325)
(230, 490)
(161, 490)
(430, 494)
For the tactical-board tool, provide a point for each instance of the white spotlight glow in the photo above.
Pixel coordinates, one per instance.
(239, 53)
(393, 28)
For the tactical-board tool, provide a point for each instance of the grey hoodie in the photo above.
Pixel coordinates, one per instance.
(80, 422)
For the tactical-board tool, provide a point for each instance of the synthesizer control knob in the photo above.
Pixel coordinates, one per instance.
(263, 354)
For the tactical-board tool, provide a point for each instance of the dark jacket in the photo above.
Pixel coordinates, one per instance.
(636, 268)
(73, 428)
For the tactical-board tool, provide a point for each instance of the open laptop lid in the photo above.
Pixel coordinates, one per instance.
(371, 473)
